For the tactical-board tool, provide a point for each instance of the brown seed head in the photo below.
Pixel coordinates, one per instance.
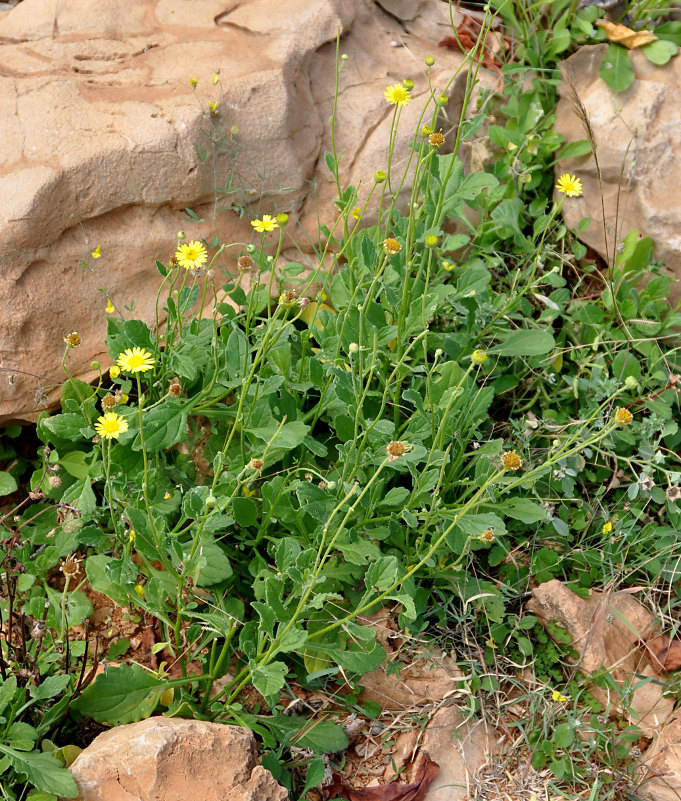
(108, 403)
(245, 263)
(73, 340)
(436, 139)
(175, 389)
(395, 449)
(54, 482)
(256, 464)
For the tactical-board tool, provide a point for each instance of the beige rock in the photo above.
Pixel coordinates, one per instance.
(168, 759)
(459, 748)
(425, 679)
(606, 631)
(402, 753)
(99, 126)
(638, 146)
(661, 766)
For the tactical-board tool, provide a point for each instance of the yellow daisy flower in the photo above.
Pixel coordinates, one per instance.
(623, 416)
(569, 185)
(111, 426)
(135, 360)
(268, 223)
(397, 95)
(191, 255)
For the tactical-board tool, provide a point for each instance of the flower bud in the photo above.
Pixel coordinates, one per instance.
(429, 61)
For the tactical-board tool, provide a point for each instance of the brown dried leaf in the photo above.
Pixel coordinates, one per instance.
(425, 773)
(665, 654)
(620, 34)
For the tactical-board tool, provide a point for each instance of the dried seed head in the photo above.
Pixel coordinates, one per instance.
(395, 449)
(175, 389)
(54, 482)
(245, 263)
(70, 566)
(256, 464)
(673, 494)
(108, 403)
(487, 535)
(288, 297)
(73, 340)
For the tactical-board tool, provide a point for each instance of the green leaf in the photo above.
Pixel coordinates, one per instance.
(563, 735)
(524, 510)
(164, 425)
(51, 686)
(245, 511)
(113, 577)
(527, 342)
(7, 690)
(269, 679)
(75, 464)
(72, 427)
(8, 484)
(314, 775)
(670, 32)
(122, 694)
(616, 69)
(323, 737)
(42, 771)
(289, 436)
(76, 390)
(210, 565)
(382, 573)
(660, 52)
(573, 150)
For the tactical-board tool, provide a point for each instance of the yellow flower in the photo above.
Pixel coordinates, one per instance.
(397, 95)
(449, 266)
(111, 426)
(436, 139)
(248, 492)
(131, 535)
(487, 535)
(191, 255)
(110, 308)
(556, 696)
(356, 212)
(139, 589)
(216, 76)
(391, 246)
(623, 416)
(97, 252)
(124, 398)
(213, 107)
(288, 297)
(73, 340)
(114, 371)
(511, 461)
(478, 356)
(569, 185)
(135, 360)
(193, 82)
(167, 496)
(266, 224)
(607, 527)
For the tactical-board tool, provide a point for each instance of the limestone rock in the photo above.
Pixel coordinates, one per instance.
(661, 765)
(168, 759)
(459, 748)
(428, 679)
(100, 125)
(638, 146)
(606, 631)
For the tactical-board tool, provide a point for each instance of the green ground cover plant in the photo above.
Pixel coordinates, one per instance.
(451, 406)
